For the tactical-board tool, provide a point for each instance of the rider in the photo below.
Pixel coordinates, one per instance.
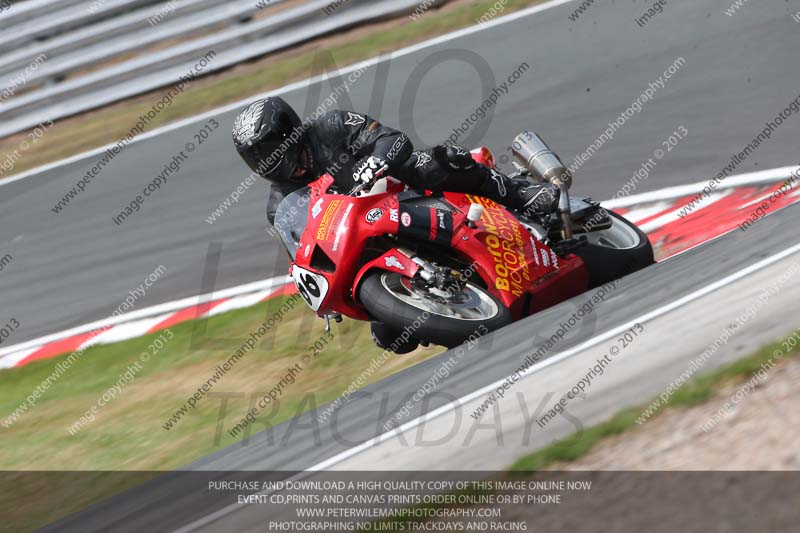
(349, 146)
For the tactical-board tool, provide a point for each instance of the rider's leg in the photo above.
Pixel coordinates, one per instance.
(444, 168)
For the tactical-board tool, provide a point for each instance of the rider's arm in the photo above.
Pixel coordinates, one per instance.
(367, 137)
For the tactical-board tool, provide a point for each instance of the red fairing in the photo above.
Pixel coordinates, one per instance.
(392, 261)
(334, 239)
(483, 156)
(332, 259)
(511, 261)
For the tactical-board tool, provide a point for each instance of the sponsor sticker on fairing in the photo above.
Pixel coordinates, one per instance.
(328, 220)
(343, 227)
(535, 253)
(393, 262)
(555, 258)
(374, 215)
(317, 209)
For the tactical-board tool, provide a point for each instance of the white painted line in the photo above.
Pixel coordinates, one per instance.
(270, 283)
(292, 87)
(680, 302)
(753, 178)
(640, 213)
(411, 424)
(739, 180)
(223, 109)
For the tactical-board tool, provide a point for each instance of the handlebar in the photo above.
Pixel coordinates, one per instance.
(361, 186)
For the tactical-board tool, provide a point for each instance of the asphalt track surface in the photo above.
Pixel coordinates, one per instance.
(78, 266)
(460, 442)
(738, 74)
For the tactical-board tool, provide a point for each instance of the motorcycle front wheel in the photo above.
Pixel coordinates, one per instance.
(447, 319)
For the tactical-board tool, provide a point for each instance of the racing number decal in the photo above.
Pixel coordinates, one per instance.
(312, 287)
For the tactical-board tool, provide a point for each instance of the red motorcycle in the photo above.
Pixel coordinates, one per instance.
(439, 268)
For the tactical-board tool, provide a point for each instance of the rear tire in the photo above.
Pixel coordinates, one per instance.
(615, 252)
(386, 302)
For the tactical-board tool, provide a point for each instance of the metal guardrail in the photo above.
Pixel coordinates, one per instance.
(64, 19)
(23, 11)
(105, 31)
(134, 33)
(166, 67)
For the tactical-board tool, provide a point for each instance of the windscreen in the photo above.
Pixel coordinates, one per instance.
(291, 218)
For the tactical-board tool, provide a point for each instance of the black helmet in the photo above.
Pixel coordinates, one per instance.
(269, 136)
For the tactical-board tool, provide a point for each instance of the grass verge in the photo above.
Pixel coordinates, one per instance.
(575, 446)
(128, 432)
(100, 127)
(693, 392)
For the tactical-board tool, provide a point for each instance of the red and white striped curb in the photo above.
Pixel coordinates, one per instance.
(657, 213)
(731, 203)
(142, 322)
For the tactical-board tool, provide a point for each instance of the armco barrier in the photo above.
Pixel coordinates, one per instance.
(159, 69)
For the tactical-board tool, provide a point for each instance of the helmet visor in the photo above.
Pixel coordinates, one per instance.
(278, 160)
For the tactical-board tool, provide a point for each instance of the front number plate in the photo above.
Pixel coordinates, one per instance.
(312, 287)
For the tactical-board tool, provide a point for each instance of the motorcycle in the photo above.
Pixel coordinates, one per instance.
(439, 268)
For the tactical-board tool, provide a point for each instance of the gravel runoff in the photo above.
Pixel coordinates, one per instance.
(670, 475)
(761, 431)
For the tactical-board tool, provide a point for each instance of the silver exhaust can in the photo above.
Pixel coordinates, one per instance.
(537, 157)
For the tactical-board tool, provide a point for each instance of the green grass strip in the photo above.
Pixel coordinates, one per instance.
(107, 125)
(693, 392)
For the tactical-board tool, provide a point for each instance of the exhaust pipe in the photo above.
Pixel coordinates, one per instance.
(540, 159)
(545, 165)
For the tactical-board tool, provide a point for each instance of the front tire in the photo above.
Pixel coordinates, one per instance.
(388, 338)
(393, 300)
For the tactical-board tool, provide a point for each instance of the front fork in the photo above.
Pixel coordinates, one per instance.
(441, 281)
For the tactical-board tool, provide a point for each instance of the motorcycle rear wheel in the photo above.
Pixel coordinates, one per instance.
(393, 300)
(615, 252)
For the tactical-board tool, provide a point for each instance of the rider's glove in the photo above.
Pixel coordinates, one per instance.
(366, 168)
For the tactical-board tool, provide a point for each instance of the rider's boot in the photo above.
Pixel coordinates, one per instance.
(451, 168)
(521, 195)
